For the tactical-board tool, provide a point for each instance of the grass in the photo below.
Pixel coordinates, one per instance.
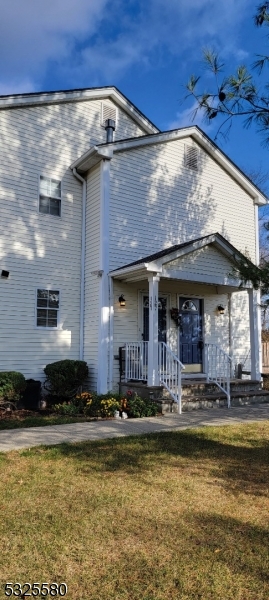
(180, 515)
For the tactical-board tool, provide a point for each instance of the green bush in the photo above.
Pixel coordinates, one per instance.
(12, 384)
(141, 407)
(67, 408)
(64, 377)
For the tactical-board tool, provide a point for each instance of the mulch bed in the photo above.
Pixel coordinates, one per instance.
(21, 414)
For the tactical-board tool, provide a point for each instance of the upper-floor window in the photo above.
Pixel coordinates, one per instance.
(50, 196)
(47, 308)
(191, 157)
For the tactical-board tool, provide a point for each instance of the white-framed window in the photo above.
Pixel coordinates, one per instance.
(191, 156)
(47, 308)
(50, 196)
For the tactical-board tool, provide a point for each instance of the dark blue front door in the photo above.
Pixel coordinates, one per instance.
(191, 334)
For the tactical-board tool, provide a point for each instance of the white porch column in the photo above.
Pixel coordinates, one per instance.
(254, 334)
(103, 339)
(153, 371)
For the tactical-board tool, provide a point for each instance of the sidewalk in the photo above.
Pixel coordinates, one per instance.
(16, 439)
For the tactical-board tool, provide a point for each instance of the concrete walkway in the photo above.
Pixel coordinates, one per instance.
(16, 439)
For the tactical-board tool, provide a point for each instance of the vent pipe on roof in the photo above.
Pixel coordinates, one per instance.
(110, 128)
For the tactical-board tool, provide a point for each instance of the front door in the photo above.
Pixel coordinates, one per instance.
(162, 319)
(191, 334)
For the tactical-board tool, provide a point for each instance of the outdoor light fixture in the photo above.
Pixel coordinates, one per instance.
(220, 309)
(5, 274)
(122, 300)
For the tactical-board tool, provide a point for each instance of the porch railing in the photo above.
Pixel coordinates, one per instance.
(170, 369)
(136, 361)
(218, 366)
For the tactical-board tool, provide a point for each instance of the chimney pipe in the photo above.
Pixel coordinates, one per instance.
(110, 128)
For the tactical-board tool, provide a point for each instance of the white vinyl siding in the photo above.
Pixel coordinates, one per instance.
(156, 202)
(207, 261)
(39, 251)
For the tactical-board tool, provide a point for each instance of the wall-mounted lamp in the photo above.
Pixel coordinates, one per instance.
(5, 274)
(122, 300)
(220, 309)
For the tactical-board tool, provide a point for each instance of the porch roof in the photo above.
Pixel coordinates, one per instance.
(159, 263)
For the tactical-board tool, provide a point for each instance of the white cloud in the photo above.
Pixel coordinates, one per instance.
(99, 40)
(33, 32)
(188, 117)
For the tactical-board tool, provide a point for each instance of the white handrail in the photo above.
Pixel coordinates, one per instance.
(170, 369)
(218, 366)
(169, 366)
(136, 361)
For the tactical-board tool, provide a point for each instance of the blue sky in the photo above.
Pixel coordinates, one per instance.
(147, 49)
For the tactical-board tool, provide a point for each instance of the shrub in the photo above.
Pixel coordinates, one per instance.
(139, 407)
(12, 385)
(99, 405)
(64, 377)
(67, 408)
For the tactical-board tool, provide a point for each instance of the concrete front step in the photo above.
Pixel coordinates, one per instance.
(216, 400)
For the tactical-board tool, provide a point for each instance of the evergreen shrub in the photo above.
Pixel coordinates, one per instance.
(65, 377)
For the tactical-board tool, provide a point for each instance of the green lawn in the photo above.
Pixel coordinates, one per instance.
(180, 515)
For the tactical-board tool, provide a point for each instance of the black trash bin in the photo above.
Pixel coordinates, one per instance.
(32, 395)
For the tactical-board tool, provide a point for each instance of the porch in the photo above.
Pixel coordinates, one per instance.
(180, 324)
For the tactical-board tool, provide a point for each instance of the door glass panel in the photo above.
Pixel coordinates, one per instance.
(162, 319)
(189, 305)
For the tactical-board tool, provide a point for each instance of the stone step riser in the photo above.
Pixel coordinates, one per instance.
(207, 389)
(168, 406)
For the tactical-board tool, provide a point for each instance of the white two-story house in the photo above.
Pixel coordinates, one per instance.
(114, 234)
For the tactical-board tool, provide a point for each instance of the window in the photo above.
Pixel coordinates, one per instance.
(50, 196)
(47, 308)
(189, 305)
(191, 157)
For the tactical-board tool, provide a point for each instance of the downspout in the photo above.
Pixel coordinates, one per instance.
(111, 336)
(82, 267)
(258, 293)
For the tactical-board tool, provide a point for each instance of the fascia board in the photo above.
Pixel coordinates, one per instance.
(79, 96)
(91, 158)
(225, 249)
(207, 279)
(158, 265)
(227, 165)
(158, 138)
(127, 270)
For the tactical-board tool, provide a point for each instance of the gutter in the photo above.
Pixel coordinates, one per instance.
(82, 268)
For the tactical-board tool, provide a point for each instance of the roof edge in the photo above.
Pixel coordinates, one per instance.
(13, 101)
(203, 140)
(154, 262)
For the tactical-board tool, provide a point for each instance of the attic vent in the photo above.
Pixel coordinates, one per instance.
(191, 157)
(108, 112)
